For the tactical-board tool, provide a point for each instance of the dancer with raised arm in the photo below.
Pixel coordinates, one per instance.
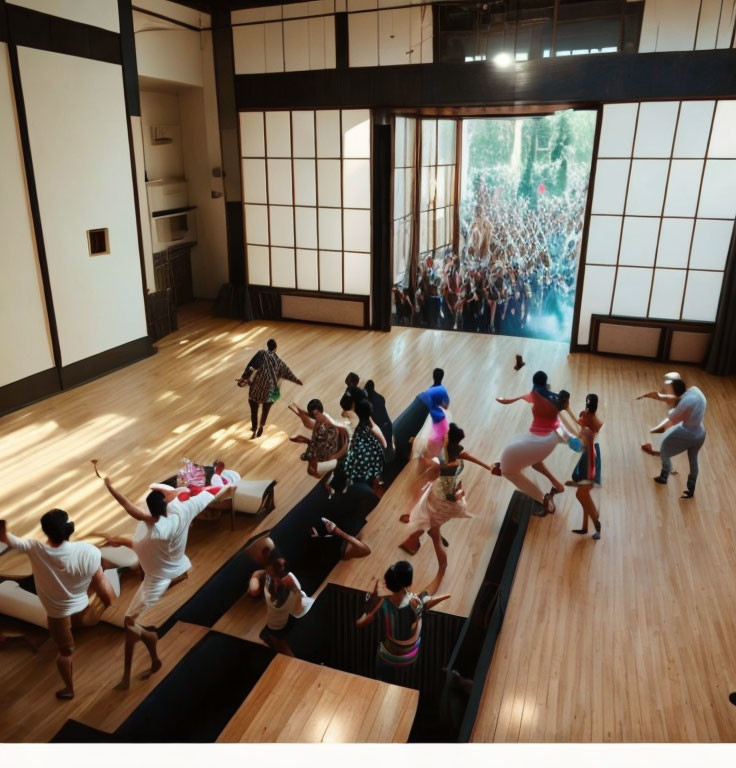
(328, 442)
(683, 428)
(444, 499)
(533, 447)
(160, 541)
(402, 612)
(70, 583)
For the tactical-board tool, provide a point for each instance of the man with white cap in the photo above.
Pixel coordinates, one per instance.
(684, 425)
(160, 542)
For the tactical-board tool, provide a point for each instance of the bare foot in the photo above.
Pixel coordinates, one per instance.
(65, 694)
(404, 518)
(496, 469)
(408, 549)
(155, 666)
(123, 685)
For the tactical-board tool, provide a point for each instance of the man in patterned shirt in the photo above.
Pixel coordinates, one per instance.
(267, 370)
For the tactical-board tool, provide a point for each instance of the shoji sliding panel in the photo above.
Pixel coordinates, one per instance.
(307, 199)
(663, 211)
(403, 204)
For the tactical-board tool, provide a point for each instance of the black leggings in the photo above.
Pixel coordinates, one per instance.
(254, 413)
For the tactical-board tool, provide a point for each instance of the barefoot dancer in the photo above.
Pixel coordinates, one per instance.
(533, 447)
(328, 442)
(160, 541)
(444, 499)
(70, 583)
(587, 472)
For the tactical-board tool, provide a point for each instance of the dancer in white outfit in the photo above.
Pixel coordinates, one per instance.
(160, 541)
(533, 447)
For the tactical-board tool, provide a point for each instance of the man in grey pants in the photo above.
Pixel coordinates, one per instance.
(684, 425)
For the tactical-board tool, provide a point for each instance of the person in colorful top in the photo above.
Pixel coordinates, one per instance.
(587, 472)
(328, 442)
(266, 369)
(444, 499)
(401, 612)
(533, 447)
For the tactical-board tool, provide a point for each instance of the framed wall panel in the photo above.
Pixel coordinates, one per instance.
(667, 293)
(673, 249)
(702, 292)
(655, 128)
(617, 130)
(604, 234)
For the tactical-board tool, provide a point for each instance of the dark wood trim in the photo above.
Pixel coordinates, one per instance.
(34, 29)
(382, 143)
(580, 279)
(592, 79)
(29, 390)
(128, 59)
(342, 46)
(20, 109)
(3, 23)
(457, 181)
(105, 362)
(668, 327)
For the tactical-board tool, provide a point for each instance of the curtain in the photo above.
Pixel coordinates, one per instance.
(722, 355)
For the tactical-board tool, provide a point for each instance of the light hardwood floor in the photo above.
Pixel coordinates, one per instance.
(632, 638)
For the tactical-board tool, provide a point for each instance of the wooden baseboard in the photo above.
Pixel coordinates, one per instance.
(29, 390)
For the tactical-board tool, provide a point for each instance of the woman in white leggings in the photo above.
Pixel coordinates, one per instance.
(532, 448)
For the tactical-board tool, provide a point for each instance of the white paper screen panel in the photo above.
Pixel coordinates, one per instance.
(281, 225)
(632, 292)
(639, 241)
(329, 183)
(252, 143)
(701, 295)
(597, 292)
(278, 134)
(330, 271)
(718, 195)
(363, 39)
(254, 181)
(307, 272)
(258, 265)
(356, 183)
(710, 244)
(357, 273)
(604, 233)
(356, 133)
(683, 188)
(249, 49)
(723, 136)
(611, 179)
(330, 228)
(693, 128)
(274, 42)
(674, 242)
(256, 224)
(306, 227)
(305, 182)
(303, 128)
(328, 133)
(667, 290)
(617, 130)
(296, 45)
(646, 187)
(655, 128)
(283, 271)
(357, 228)
(279, 182)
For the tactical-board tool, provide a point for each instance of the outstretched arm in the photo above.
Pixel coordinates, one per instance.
(467, 457)
(658, 396)
(304, 417)
(288, 374)
(371, 609)
(127, 505)
(434, 585)
(509, 400)
(4, 533)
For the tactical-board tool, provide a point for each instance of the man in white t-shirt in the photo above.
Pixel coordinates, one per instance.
(160, 541)
(683, 428)
(65, 573)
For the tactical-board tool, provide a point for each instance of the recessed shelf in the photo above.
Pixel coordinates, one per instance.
(172, 212)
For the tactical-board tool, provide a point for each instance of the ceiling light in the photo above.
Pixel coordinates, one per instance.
(503, 60)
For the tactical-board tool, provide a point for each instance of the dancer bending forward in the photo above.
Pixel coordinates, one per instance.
(443, 499)
(533, 447)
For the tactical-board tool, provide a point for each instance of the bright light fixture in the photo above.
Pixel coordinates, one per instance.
(503, 60)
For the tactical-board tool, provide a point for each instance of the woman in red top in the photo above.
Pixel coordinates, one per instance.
(533, 447)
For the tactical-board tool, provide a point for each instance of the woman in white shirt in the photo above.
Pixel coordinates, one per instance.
(66, 573)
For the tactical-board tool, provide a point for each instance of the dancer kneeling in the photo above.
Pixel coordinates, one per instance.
(444, 499)
(328, 442)
(533, 447)
(160, 541)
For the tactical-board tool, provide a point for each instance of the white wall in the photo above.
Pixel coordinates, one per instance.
(81, 156)
(167, 51)
(98, 13)
(136, 130)
(25, 344)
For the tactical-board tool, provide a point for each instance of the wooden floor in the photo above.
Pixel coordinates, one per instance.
(632, 638)
(295, 701)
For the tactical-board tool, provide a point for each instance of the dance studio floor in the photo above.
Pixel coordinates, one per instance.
(632, 638)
